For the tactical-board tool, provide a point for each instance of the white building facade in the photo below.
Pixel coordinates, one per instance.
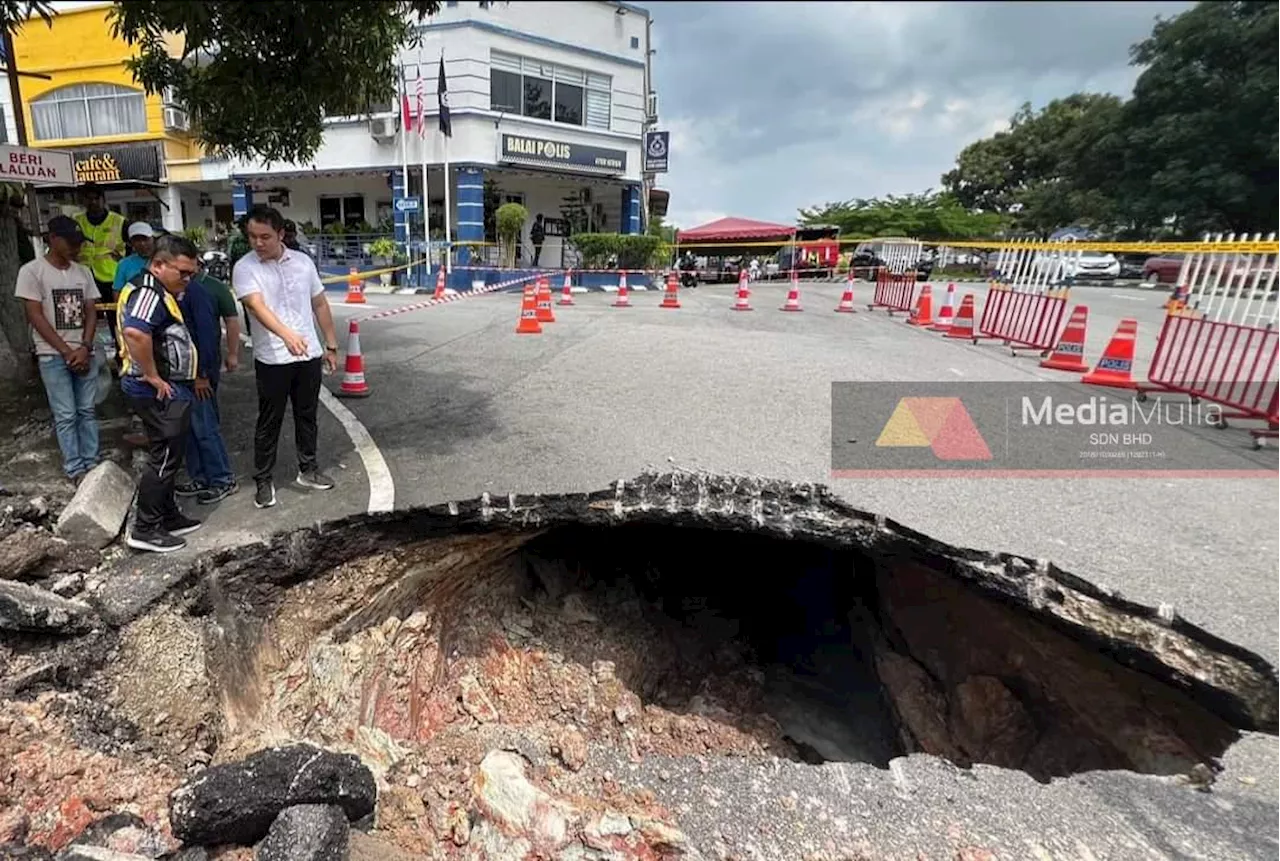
(549, 104)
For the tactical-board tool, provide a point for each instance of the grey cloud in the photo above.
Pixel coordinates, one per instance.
(779, 105)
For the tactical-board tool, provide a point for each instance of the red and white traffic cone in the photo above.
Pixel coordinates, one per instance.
(948, 312)
(793, 296)
(846, 301)
(566, 295)
(744, 293)
(353, 381)
(439, 294)
(622, 300)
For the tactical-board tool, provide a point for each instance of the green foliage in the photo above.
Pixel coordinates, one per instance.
(925, 216)
(197, 234)
(632, 251)
(383, 247)
(257, 78)
(1194, 150)
(510, 221)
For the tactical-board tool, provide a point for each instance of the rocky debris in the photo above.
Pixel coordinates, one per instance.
(99, 508)
(307, 832)
(116, 837)
(23, 550)
(31, 609)
(365, 847)
(237, 802)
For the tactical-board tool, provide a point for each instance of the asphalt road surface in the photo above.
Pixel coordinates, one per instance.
(460, 405)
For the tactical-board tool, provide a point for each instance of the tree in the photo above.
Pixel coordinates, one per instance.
(1202, 124)
(1051, 167)
(926, 216)
(257, 78)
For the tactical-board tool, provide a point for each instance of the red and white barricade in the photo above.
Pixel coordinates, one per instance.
(896, 279)
(1026, 307)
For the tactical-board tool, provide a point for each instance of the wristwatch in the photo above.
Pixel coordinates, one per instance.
(328, 348)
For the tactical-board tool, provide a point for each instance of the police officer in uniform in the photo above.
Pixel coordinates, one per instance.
(104, 244)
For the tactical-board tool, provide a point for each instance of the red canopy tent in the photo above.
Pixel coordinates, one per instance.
(735, 230)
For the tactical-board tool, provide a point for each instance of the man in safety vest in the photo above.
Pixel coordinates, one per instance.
(104, 244)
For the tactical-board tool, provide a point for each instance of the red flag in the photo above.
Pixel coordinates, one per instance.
(406, 118)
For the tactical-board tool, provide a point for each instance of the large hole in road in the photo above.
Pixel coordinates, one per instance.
(671, 617)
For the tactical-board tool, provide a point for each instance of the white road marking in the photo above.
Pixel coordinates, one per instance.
(958, 373)
(382, 488)
(1130, 298)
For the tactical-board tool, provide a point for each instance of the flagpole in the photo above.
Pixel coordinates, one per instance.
(448, 210)
(404, 167)
(426, 197)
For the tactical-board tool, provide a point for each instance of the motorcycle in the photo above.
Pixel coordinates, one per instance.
(688, 270)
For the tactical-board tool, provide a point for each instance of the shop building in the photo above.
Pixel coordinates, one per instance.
(549, 103)
(135, 146)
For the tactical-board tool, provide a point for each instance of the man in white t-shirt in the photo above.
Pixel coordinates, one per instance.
(58, 295)
(281, 289)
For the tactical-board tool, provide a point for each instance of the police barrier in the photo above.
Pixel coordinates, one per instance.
(1026, 301)
(896, 279)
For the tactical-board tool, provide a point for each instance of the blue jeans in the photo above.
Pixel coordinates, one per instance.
(72, 399)
(208, 463)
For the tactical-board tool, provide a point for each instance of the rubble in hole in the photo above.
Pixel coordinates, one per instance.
(480, 658)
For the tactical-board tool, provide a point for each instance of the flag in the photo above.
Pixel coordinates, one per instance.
(406, 118)
(442, 91)
(421, 99)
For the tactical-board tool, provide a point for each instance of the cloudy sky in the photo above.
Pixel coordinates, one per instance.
(776, 106)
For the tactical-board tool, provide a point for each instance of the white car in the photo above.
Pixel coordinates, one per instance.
(1094, 264)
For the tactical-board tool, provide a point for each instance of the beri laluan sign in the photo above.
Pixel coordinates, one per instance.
(36, 166)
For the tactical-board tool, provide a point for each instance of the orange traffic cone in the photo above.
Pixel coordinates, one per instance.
(545, 314)
(923, 314)
(353, 382)
(1178, 300)
(948, 312)
(1068, 355)
(622, 300)
(793, 295)
(566, 295)
(1116, 365)
(355, 288)
(671, 298)
(962, 326)
(439, 294)
(744, 294)
(529, 324)
(846, 301)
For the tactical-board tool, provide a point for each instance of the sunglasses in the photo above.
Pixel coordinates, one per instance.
(185, 274)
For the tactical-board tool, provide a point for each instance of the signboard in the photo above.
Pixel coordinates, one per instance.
(656, 147)
(408, 204)
(35, 166)
(556, 226)
(535, 150)
(117, 164)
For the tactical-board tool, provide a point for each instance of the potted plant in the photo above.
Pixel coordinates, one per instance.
(382, 250)
(511, 219)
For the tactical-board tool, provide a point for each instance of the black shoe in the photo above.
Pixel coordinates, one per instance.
(210, 495)
(180, 524)
(156, 542)
(266, 495)
(315, 479)
(188, 488)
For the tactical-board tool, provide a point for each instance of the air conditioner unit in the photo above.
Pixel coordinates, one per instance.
(176, 120)
(169, 97)
(382, 128)
(651, 106)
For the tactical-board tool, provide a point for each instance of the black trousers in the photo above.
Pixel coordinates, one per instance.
(166, 424)
(297, 383)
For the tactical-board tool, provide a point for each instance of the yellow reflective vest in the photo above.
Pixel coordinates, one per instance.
(100, 241)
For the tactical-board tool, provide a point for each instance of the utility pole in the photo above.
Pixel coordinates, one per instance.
(19, 117)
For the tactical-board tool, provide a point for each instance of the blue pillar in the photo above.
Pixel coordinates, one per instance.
(241, 198)
(470, 224)
(398, 193)
(630, 210)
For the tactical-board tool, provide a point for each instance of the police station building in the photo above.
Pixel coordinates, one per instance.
(549, 105)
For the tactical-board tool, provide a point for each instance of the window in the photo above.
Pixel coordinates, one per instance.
(347, 210)
(89, 111)
(547, 91)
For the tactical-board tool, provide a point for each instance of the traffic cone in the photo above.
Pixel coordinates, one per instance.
(439, 294)
(948, 312)
(1116, 365)
(529, 324)
(846, 301)
(355, 288)
(1178, 300)
(744, 294)
(353, 382)
(671, 298)
(545, 314)
(923, 314)
(566, 295)
(793, 295)
(962, 326)
(1068, 355)
(622, 301)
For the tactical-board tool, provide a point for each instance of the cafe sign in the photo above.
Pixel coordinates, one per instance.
(106, 165)
(524, 149)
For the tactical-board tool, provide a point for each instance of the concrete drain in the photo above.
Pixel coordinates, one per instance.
(670, 617)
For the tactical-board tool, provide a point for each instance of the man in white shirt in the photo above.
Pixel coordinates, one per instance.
(282, 291)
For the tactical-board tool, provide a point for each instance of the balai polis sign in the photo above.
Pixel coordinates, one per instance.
(532, 150)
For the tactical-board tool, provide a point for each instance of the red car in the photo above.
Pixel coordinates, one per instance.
(1163, 269)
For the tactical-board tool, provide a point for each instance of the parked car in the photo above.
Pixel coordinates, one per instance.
(1093, 264)
(1163, 269)
(866, 260)
(1131, 266)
